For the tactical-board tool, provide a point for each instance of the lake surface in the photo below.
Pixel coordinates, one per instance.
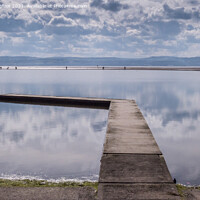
(47, 142)
(169, 102)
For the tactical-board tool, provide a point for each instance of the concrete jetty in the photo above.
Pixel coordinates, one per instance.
(132, 165)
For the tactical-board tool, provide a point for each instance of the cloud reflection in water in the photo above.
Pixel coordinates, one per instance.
(177, 133)
(51, 142)
(168, 100)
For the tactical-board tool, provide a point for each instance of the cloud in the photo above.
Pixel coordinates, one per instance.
(33, 27)
(129, 28)
(193, 2)
(64, 30)
(164, 30)
(111, 5)
(61, 20)
(17, 40)
(85, 18)
(18, 25)
(57, 134)
(179, 142)
(178, 13)
(11, 25)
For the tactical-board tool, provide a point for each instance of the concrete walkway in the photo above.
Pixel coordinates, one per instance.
(132, 165)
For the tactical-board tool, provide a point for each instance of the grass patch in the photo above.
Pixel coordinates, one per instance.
(44, 183)
(182, 190)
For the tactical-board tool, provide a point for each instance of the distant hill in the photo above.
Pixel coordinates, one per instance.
(101, 61)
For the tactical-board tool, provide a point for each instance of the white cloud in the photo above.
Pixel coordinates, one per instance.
(191, 50)
(17, 40)
(3, 36)
(170, 43)
(62, 21)
(5, 53)
(133, 32)
(146, 23)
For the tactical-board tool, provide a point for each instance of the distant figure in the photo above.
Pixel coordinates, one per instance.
(174, 180)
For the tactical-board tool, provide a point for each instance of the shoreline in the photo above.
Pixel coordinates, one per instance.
(45, 183)
(185, 192)
(124, 68)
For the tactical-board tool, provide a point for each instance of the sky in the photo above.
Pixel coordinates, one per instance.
(100, 28)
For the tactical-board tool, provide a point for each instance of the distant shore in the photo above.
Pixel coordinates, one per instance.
(161, 68)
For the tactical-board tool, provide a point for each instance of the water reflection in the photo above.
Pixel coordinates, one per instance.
(168, 100)
(176, 129)
(51, 142)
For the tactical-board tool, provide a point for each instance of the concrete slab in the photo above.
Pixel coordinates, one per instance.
(127, 130)
(128, 147)
(137, 192)
(131, 168)
(50, 193)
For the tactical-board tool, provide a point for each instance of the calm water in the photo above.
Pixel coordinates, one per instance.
(46, 142)
(73, 138)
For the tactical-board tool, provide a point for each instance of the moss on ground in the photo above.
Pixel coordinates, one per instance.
(44, 183)
(182, 190)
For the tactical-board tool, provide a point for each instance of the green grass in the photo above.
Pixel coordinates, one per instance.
(44, 183)
(181, 189)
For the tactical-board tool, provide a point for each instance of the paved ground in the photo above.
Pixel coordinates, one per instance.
(71, 193)
(191, 194)
(43, 193)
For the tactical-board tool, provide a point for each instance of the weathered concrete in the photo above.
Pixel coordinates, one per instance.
(132, 165)
(47, 193)
(133, 168)
(127, 130)
(137, 191)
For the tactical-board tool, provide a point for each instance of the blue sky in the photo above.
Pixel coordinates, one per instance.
(97, 28)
